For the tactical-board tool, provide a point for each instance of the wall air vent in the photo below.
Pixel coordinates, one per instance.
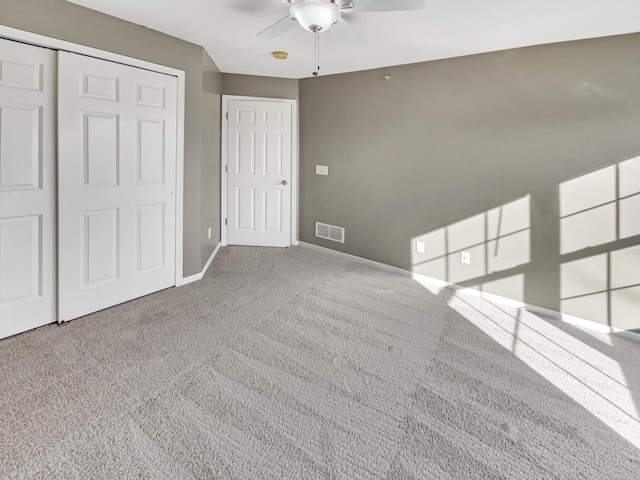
(330, 232)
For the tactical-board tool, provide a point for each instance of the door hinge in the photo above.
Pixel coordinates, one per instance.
(225, 221)
(226, 169)
(227, 115)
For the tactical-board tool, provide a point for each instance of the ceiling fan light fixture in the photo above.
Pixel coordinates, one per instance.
(315, 15)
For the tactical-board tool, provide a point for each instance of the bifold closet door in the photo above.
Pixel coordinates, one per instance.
(27, 187)
(117, 174)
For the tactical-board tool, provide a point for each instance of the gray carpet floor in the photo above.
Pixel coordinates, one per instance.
(301, 364)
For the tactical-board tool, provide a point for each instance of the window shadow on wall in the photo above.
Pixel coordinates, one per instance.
(598, 262)
(498, 241)
(599, 276)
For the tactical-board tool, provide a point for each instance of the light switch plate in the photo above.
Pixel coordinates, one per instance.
(322, 170)
(419, 247)
(465, 257)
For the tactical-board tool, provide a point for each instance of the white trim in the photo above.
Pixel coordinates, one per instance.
(294, 162)
(199, 276)
(180, 183)
(56, 44)
(223, 170)
(583, 323)
(434, 285)
(295, 176)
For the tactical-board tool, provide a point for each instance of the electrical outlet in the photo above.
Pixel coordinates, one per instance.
(465, 257)
(209, 232)
(419, 247)
(322, 170)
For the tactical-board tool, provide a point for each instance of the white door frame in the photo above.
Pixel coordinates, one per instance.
(294, 162)
(53, 43)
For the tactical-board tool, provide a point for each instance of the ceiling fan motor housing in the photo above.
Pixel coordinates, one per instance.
(315, 15)
(342, 4)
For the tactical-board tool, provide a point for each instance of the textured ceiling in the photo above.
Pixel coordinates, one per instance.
(444, 29)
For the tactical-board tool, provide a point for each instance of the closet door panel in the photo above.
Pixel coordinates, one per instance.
(117, 171)
(27, 187)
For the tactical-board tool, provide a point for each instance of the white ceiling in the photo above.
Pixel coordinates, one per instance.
(444, 29)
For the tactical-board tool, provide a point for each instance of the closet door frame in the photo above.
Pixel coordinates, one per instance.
(55, 44)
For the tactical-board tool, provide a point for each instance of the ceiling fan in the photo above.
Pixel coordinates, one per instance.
(319, 15)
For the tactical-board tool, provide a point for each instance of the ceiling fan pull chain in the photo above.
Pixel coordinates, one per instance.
(317, 51)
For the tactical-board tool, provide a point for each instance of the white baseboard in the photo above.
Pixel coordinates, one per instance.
(199, 276)
(434, 285)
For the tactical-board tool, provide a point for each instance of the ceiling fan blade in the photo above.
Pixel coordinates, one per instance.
(348, 34)
(389, 5)
(277, 28)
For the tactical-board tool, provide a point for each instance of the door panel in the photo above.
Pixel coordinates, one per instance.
(149, 237)
(246, 210)
(100, 258)
(20, 147)
(150, 159)
(117, 182)
(259, 154)
(273, 154)
(100, 137)
(27, 198)
(20, 258)
(246, 153)
(272, 210)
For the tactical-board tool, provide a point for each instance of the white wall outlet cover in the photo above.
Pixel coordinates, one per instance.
(322, 170)
(465, 257)
(419, 247)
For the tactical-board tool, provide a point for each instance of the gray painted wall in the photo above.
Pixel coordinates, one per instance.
(478, 154)
(257, 86)
(66, 21)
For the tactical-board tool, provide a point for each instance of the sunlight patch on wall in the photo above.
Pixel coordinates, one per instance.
(604, 288)
(629, 178)
(600, 207)
(498, 240)
(509, 287)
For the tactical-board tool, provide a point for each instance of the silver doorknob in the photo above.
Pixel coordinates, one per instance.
(283, 182)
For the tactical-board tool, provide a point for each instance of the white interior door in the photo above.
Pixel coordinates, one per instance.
(117, 174)
(259, 153)
(27, 183)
